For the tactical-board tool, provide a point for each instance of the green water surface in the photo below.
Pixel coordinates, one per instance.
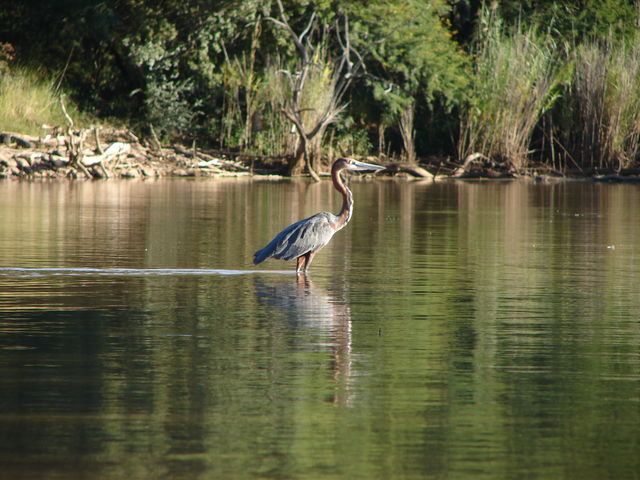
(450, 331)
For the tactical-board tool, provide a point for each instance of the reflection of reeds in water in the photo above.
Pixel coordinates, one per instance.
(550, 267)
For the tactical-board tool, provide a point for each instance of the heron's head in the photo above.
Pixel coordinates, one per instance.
(355, 166)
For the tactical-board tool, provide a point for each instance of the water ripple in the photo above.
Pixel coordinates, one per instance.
(36, 272)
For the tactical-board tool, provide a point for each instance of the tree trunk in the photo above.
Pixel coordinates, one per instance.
(297, 162)
(408, 133)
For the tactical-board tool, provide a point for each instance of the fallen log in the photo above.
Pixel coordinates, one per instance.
(215, 162)
(617, 178)
(478, 165)
(58, 160)
(473, 161)
(111, 152)
(24, 141)
(410, 168)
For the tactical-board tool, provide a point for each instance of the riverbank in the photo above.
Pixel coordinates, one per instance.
(119, 153)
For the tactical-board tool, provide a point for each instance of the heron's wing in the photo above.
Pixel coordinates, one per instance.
(308, 235)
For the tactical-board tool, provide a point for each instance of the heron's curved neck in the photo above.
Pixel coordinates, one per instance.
(347, 199)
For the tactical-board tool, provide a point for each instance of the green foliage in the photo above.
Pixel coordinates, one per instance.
(411, 52)
(166, 92)
(349, 138)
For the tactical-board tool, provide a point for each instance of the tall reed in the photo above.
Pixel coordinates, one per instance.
(624, 103)
(273, 133)
(513, 84)
(603, 114)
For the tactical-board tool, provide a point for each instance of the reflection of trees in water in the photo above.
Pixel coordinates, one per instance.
(305, 307)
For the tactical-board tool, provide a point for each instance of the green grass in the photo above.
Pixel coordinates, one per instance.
(28, 100)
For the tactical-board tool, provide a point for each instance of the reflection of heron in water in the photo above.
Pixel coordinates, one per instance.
(303, 239)
(301, 302)
(305, 307)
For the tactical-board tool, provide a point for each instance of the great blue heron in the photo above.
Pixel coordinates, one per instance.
(303, 239)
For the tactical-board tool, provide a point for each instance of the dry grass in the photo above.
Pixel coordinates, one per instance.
(514, 82)
(604, 106)
(27, 101)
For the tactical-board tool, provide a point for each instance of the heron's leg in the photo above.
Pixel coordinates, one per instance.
(309, 256)
(303, 261)
(300, 263)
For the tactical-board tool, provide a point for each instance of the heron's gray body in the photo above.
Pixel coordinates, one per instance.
(300, 238)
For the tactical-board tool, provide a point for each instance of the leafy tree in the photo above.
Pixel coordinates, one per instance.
(413, 61)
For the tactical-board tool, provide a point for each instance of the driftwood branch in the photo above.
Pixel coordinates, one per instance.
(122, 156)
(65, 113)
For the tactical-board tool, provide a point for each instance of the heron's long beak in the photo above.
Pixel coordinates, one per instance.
(365, 167)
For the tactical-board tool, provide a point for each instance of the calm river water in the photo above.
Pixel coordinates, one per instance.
(451, 331)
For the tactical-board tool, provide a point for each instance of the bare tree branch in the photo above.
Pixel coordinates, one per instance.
(308, 29)
(344, 71)
(297, 40)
